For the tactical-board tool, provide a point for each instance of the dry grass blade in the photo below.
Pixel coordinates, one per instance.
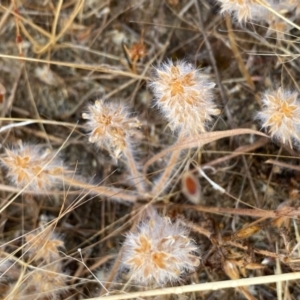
(199, 141)
(239, 151)
(282, 164)
(206, 286)
(94, 67)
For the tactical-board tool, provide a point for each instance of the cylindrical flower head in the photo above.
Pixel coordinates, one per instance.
(33, 165)
(159, 252)
(281, 115)
(184, 96)
(110, 126)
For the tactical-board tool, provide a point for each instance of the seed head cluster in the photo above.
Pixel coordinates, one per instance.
(184, 96)
(281, 115)
(33, 166)
(159, 252)
(242, 10)
(43, 246)
(110, 126)
(247, 10)
(46, 283)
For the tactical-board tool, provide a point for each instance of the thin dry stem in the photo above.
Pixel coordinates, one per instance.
(101, 190)
(94, 67)
(260, 280)
(136, 175)
(199, 141)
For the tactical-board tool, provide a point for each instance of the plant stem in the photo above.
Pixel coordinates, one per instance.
(136, 175)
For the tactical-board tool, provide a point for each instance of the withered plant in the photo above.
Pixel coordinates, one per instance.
(149, 149)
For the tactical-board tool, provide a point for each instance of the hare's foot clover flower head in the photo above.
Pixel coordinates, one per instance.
(184, 96)
(281, 115)
(159, 252)
(44, 245)
(45, 282)
(33, 167)
(110, 126)
(243, 10)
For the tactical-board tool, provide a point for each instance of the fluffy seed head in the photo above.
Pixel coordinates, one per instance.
(110, 126)
(47, 283)
(242, 10)
(159, 252)
(281, 115)
(44, 282)
(184, 96)
(33, 165)
(43, 245)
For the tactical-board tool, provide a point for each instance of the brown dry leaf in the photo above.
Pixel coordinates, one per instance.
(243, 271)
(283, 210)
(231, 270)
(279, 222)
(247, 231)
(136, 51)
(254, 266)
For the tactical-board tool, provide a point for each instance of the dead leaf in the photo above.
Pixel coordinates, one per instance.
(246, 232)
